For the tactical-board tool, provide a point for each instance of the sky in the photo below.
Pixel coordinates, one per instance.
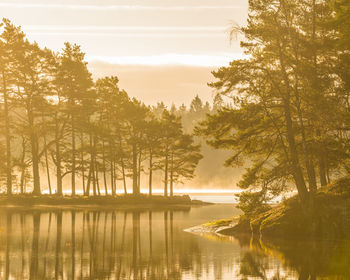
(161, 50)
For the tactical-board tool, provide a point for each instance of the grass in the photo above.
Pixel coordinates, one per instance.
(219, 223)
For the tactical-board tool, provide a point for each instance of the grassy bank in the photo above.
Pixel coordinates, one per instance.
(330, 217)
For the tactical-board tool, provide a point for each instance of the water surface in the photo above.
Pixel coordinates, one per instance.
(151, 244)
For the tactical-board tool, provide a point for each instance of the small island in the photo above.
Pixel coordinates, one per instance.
(118, 201)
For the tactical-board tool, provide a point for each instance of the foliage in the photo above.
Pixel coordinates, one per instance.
(89, 131)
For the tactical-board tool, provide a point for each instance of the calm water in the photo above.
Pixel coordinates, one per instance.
(126, 244)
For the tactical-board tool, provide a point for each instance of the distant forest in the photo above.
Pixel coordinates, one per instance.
(64, 132)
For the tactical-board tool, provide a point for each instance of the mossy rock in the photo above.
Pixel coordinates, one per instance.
(284, 221)
(329, 218)
(255, 223)
(242, 227)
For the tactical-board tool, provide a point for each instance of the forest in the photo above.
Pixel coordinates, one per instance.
(83, 162)
(56, 119)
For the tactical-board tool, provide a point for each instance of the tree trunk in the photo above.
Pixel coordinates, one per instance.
(34, 150)
(7, 138)
(58, 156)
(96, 167)
(82, 159)
(310, 168)
(104, 167)
(93, 165)
(97, 182)
(112, 168)
(297, 173)
(139, 171)
(87, 191)
(123, 167)
(47, 169)
(47, 162)
(322, 171)
(23, 164)
(296, 169)
(328, 175)
(135, 189)
(91, 169)
(172, 176)
(306, 153)
(22, 181)
(150, 173)
(73, 155)
(97, 178)
(124, 177)
(166, 175)
(115, 177)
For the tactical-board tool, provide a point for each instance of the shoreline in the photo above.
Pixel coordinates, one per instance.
(119, 201)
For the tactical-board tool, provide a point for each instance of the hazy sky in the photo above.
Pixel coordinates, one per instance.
(159, 49)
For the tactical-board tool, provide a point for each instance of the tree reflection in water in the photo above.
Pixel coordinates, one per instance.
(301, 259)
(129, 244)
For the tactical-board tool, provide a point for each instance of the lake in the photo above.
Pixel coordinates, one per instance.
(152, 244)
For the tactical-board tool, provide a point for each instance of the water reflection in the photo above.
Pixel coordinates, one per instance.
(125, 244)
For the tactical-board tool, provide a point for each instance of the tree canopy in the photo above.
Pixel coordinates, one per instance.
(71, 126)
(288, 120)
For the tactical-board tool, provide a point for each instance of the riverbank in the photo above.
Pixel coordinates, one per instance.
(99, 201)
(330, 219)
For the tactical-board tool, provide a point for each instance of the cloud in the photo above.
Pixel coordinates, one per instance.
(132, 35)
(114, 7)
(130, 31)
(124, 28)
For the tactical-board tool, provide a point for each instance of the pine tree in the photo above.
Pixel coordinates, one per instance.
(184, 158)
(75, 83)
(171, 130)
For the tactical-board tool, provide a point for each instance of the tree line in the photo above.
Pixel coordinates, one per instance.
(57, 119)
(290, 100)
